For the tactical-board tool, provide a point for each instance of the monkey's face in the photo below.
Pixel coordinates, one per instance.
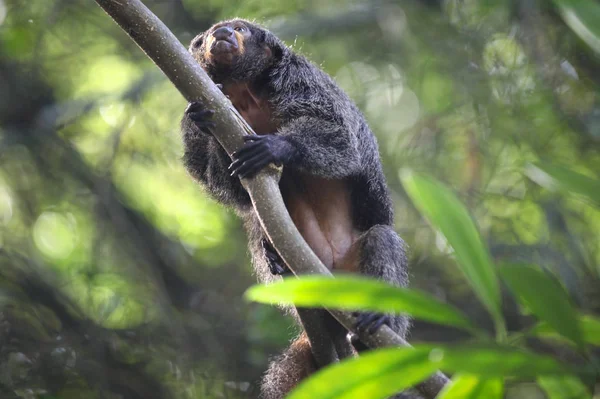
(235, 50)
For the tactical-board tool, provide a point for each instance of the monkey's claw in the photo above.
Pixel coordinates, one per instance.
(259, 151)
(276, 264)
(220, 87)
(200, 115)
(371, 322)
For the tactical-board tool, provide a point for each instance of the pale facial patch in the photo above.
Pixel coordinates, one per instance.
(240, 40)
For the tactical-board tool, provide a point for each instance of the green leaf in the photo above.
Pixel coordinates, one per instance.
(494, 361)
(583, 17)
(564, 387)
(355, 293)
(446, 213)
(468, 386)
(591, 329)
(590, 325)
(382, 372)
(546, 174)
(545, 298)
(374, 375)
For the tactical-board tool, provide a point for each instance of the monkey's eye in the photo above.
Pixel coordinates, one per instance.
(197, 43)
(239, 28)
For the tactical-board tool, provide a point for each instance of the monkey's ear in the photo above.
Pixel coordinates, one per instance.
(197, 42)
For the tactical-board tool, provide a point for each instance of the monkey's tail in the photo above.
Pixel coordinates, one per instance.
(288, 369)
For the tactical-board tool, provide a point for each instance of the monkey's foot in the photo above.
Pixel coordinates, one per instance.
(276, 264)
(258, 152)
(200, 115)
(371, 322)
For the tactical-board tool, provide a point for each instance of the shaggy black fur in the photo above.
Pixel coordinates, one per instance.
(328, 138)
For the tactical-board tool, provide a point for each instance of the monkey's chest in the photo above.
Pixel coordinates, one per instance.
(321, 210)
(255, 110)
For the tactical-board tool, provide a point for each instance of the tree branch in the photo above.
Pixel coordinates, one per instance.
(157, 41)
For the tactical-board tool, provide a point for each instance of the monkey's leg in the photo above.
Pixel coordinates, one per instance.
(381, 255)
(288, 369)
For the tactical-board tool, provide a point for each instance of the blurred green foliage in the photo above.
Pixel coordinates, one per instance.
(120, 278)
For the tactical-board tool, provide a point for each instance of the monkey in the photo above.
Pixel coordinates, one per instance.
(332, 180)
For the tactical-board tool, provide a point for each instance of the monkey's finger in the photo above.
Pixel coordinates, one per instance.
(252, 170)
(277, 269)
(255, 168)
(365, 319)
(192, 106)
(247, 158)
(200, 120)
(200, 115)
(253, 137)
(357, 343)
(267, 245)
(206, 127)
(271, 254)
(378, 323)
(250, 166)
(220, 87)
(196, 106)
(248, 149)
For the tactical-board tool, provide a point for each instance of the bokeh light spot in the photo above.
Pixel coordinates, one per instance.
(54, 235)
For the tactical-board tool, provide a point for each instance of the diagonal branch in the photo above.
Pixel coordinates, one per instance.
(157, 41)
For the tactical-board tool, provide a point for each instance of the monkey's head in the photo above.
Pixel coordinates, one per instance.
(236, 50)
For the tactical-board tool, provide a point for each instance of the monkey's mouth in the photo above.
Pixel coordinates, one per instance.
(223, 46)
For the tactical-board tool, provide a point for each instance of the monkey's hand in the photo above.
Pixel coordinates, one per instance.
(259, 151)
(201, 116)
(371, 322)
(276, 264)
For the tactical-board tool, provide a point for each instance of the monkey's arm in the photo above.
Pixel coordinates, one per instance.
(311, 144)
(322, 148)
(207, 161)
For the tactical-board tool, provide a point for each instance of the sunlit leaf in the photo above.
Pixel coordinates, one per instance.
(468, 386)
(545, 298)
(375, 375)
(446, 213)
(564, 387)
(547, 174)
(583, 17)
(358, 294)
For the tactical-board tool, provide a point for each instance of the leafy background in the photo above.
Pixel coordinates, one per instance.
(119, 278)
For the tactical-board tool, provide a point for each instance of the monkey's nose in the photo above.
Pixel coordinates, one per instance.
(223, 33)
